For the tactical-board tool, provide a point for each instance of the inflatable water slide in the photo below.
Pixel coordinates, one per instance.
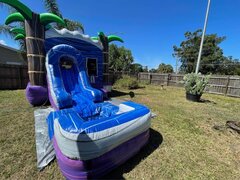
(90, 136)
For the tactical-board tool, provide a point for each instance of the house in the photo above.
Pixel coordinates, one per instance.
(11, 56)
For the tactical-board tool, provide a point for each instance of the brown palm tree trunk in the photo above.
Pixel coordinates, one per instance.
(35, 34)
(105, 61)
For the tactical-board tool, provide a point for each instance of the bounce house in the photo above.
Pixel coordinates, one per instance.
(91, 135)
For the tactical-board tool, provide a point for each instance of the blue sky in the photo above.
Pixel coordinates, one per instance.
(149, 28)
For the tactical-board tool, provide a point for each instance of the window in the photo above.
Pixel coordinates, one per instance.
(92, 66)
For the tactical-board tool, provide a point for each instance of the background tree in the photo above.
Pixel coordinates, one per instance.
(52, 7)
(145, 68)
(120, 58)
(6, 30)
(212, 54)
(229, 66)
(165, 68)
(153, 70)
(34, 33)
(136, 68)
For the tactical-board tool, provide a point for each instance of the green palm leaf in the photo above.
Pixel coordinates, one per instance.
(18, 31)
(20, 7)
(46, 18)
(19, 36)
(14, 17)
(114, 38)
(101, 36)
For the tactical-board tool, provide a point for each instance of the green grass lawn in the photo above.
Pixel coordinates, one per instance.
(183, 144)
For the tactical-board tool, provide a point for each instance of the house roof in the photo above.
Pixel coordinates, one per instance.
(11, 56)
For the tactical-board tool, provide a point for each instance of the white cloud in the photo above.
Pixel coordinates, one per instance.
(3, 42)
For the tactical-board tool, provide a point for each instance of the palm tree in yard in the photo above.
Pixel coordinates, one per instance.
(5, 29)
(105, 40)
(52, 7)
(33, 33)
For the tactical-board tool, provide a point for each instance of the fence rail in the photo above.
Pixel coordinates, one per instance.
(13, 76)
(225, 85)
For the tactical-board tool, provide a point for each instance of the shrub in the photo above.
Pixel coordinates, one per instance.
(126, 82)
(195, 83)
(145, 82)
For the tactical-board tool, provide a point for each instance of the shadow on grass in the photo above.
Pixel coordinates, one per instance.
(155, 140)
(116, 93)
(207, 101)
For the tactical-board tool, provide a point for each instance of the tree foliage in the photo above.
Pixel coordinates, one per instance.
(120, 58)
(136, 68)
(74, 25)
(230, 66)
(52, 6)
(212, 60)
(153, 70)
(165, 68)
(6, 29)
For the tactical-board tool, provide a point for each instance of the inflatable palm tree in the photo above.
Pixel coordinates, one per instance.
(105, 40)
(34, 34)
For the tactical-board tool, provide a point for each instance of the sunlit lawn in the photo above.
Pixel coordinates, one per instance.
(183, 144)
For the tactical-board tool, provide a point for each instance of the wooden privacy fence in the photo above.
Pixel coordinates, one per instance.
(225, 85)
(114, 76)
(16, 77)
(13, 76)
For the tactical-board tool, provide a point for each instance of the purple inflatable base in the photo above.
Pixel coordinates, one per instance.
(96, 168)
(36, 95)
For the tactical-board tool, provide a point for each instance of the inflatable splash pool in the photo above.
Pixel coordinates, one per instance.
(90, 136)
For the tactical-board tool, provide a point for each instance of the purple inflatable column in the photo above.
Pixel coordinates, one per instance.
(36, 95)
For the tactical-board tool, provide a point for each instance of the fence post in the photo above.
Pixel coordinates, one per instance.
(150, 78)
(226, 88)
(168, 79)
